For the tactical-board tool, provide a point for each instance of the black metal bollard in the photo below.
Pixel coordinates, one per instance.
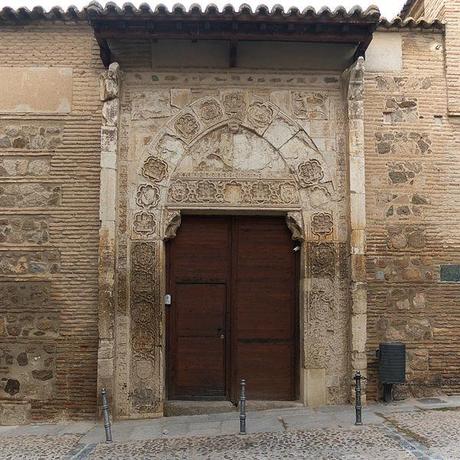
(358, 405)
(106, 415)
(243, 406)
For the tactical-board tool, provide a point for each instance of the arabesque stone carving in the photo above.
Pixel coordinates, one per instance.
(322, 224)
(235, 105)
(233, 191)
(155, 169)
(322, 260)
(187, 126)
(310, 172)
(145, 311)
(210, 110)
(260, 114)
(144, 224)
(148, 196)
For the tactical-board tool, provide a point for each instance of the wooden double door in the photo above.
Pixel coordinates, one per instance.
(233, 283)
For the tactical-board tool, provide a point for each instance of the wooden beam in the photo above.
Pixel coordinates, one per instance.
(104, 50)
(233, 53)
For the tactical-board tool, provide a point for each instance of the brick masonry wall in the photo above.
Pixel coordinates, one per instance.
(49, 206)
(413, 208)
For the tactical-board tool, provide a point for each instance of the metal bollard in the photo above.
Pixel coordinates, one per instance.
(243, 406)
(358, 406)
(106, 415)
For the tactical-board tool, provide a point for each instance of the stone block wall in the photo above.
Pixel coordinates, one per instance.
(49, 221)
(413, 204)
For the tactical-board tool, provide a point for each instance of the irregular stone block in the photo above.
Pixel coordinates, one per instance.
(15, 412)
(24, 229)
(30, 137)
(32, 294)
(29, 263)
(29, 195)
(18, 166)
(151, 104)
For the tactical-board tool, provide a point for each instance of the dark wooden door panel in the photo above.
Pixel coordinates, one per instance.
(268, 369)
(199, 265)
(201, 250)
(264, 303)
(200, 369)
(233, 285)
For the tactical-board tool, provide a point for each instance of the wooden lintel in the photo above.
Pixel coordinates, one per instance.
(233, 53)
(241, 36)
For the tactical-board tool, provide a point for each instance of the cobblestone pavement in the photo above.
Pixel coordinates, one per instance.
(395, 432)
(366, 443)
(438, 430)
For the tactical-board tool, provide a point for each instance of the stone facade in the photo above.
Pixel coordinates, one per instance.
(93, 181)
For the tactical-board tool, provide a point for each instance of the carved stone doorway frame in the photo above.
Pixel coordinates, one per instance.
(130, 362)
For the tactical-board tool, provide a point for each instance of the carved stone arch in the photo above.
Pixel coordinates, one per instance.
(260, 116)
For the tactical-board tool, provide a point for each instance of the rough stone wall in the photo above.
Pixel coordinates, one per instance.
(225, 140)
(49, 195)
(413, 203)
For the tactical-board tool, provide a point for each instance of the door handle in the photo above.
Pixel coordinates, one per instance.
(220, 334)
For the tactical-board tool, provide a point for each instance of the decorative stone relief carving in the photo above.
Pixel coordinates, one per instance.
(172, 221)
(260, 114)
(310, 172)
(320, 321)
(232, 191)
(148, 196)
(294, 221)
(322, 260)
(145, 311)
(144, 224)
(312, 106)
(187, 126)
(209, 110)
(155, 169)
(322, 224)
(235, 105)
(109, 82)
(146, 325)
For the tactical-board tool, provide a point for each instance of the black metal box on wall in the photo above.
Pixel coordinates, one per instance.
(392, 362)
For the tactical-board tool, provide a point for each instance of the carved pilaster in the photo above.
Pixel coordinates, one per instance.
(109, 91)
(355, 94)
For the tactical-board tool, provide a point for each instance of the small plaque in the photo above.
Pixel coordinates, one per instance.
(450, 273)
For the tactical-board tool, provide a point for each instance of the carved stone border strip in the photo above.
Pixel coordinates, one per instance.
(109, 85)
(355, 91)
